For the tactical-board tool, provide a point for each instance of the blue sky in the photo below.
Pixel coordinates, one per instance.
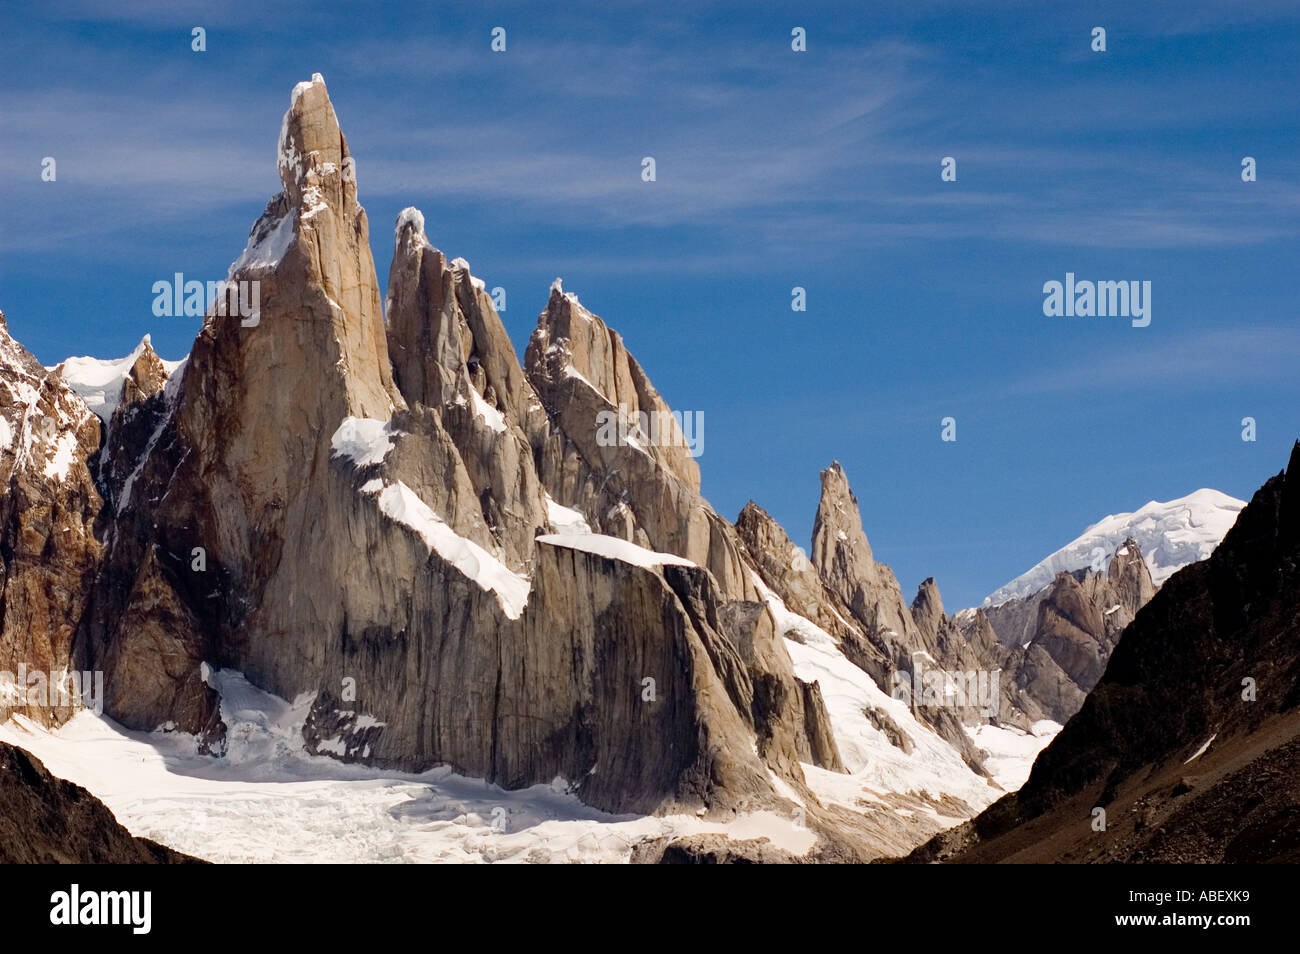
(775, 169)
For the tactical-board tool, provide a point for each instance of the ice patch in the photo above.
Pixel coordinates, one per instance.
(490, 415)
(565, 520)
(613, 548)
(268, 801)
(60, 462)
(1201, 751)
(402, 504)
(362, 440)
(460, 264)
(1011, 752)
(571, 372)
(413, 217)
(265, 252)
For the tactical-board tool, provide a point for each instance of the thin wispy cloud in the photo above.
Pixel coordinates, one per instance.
(1248, 354)
(775, 170)
(737, 139)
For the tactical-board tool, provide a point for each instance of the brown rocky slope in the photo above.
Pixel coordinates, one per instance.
(1190, 742)
(46, 820)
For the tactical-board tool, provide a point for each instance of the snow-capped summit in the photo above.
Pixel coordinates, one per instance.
(1171, 535)
(99, 381)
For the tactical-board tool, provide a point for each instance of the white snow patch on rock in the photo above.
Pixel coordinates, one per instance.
(558, 286)
(1011, 752)
(265, 252)
(300, 88)
(402, 504)
(65, 452)
(875, 765)
(565, 520)
(461, 265)
(1201, 751)
(613, 548)
(413, 217)
(363, 440)
(99, 381)
(490, 415)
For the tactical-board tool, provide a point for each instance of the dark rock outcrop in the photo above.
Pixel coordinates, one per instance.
(46, 820)
(1189, 740)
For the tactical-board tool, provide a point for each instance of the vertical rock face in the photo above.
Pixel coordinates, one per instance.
(453, 357)
(786, 569)
(146, 377)
(139, 412)
(635, 487)
(237, 467)
(48, 549)
(842, 556)
(572, 342)
(358, 508)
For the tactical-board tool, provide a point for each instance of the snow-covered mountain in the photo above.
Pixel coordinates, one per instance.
(1171, 534)
(99, 381)
(1193, 773)
(426, 556)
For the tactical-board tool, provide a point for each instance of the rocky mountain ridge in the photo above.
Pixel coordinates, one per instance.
(375, 505)
(1055, 644)
(47, 820)
(1061, 619)
(1171, 534)
(1187, 748)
